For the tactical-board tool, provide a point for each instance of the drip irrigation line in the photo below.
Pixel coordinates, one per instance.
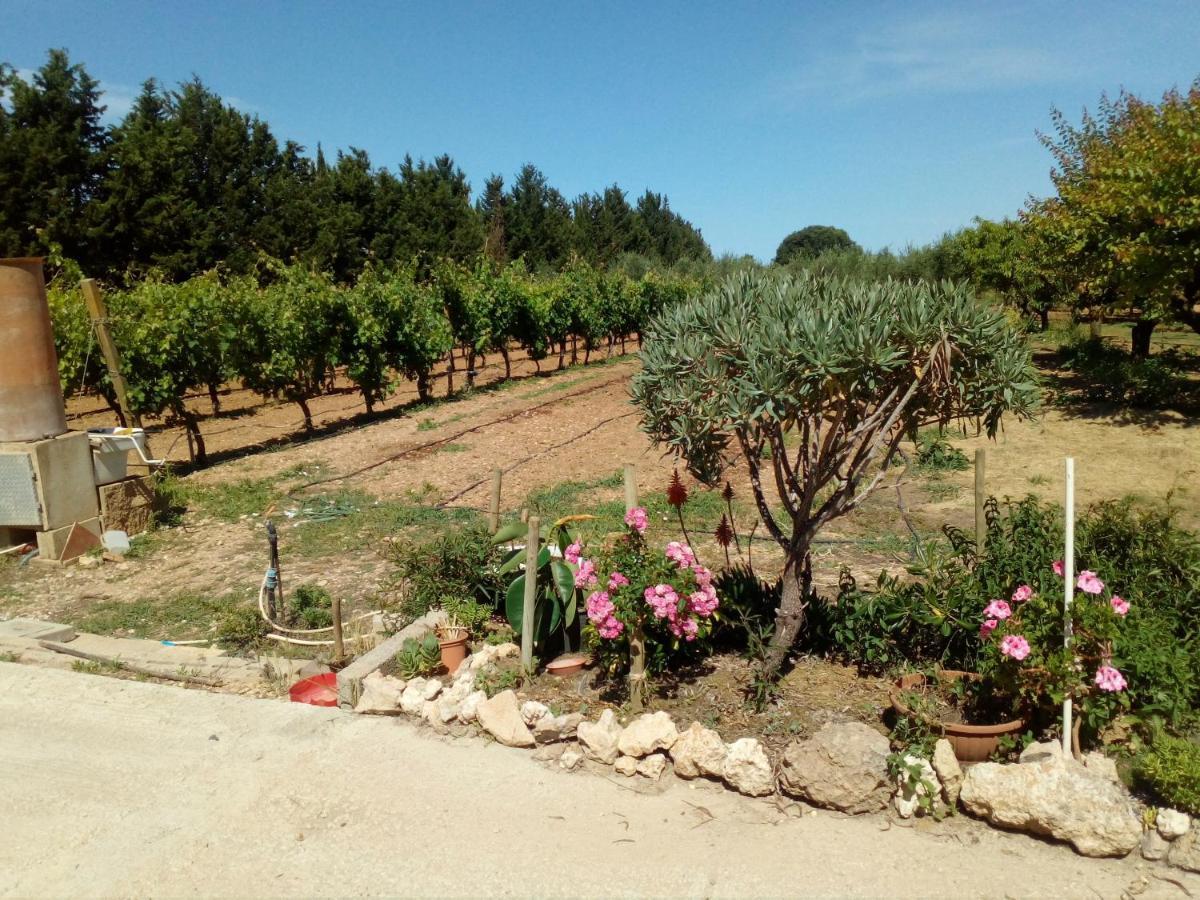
(534, 456)
(452, 437)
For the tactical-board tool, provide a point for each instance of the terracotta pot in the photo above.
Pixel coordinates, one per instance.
(454, 649)
(567, 665)
(971, 743)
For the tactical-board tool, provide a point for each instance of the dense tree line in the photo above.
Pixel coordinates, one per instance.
(186, 183)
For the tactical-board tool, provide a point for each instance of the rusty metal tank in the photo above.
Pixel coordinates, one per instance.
(31, 400)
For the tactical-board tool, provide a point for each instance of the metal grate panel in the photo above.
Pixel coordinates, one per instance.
(19, 507)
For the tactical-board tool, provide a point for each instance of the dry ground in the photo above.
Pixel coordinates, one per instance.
(573, 426)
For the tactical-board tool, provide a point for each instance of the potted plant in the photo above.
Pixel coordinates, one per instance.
(1025, 666)
(955, 705)
(452, 640)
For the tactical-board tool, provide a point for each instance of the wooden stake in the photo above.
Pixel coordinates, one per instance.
(112, 357)
(980, 498)
(532, 542)
(631, 497)
(494, 509)
(637, 639)
(339, 646)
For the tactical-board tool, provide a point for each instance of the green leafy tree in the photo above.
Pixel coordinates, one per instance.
(814, 382)
(813, 241)
(1123, 226)
(51, 157)
(537, 221)
(427, 211)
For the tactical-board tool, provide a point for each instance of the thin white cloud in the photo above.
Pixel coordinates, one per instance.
(933, 53)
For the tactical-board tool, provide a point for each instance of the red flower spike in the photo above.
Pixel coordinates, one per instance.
(677, 494)
(724, 532)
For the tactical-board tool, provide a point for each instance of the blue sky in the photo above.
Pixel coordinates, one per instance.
(897, 121)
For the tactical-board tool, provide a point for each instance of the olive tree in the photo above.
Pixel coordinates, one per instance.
(812, 383)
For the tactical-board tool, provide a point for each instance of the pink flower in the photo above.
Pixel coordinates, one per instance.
(685, 628)
(1119, 605)
(703, 602)
(1109, 679)
(1015, 646)
(1089, 583)
(663, 600)
(997, 609)
(599, 606)
(617, 580)
(680, 554)
(571, 554)
(585, 576)
(610, 628)
(986, 628)
(1021, 594)
(637, 519)
(703, 576)
(1057, 566)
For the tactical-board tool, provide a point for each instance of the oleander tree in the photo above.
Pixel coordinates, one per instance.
(812, 383)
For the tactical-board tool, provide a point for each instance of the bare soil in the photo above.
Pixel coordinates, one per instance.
(571, 426)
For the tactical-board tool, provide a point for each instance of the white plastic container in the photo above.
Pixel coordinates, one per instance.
(110, 451)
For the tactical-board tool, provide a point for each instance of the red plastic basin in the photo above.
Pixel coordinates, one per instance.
(316, 690)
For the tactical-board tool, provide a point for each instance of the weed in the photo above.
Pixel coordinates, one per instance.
(934, 454)
(236, 500)
(10, 656)
(943, 491)
(453, 448)
(1038, 480)
(97, 667)
(492, 680)
(180, 617)
(427, 425)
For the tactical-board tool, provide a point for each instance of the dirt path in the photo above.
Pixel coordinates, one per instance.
(117, 788)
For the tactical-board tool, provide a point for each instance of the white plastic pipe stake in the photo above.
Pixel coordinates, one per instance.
(1068, 592)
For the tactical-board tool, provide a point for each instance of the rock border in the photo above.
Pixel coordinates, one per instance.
(843, 767)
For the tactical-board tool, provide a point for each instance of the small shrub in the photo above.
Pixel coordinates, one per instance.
(418, 658)
(1108, 374)
(1170, 768)
(241, 628)
(932, 616)
(310, 606)
(937, 455)
(492, 680)
(459, 562)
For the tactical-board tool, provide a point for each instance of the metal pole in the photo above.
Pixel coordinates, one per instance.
(1068, 592)
(532, 540)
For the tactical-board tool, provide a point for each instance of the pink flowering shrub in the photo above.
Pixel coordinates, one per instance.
(1024, 649)
(665, 592)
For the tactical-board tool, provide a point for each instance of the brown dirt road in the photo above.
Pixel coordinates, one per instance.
(117, 788)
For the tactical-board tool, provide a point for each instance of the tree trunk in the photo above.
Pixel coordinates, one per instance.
(789, 618)
(308, 423)
(215, 399)
(1142, 330)
(471, 370)
(562, 354)
(195, 438)
(1044, 318)
(423, 391)
(369, 402)
(449, 376)
(507, 363)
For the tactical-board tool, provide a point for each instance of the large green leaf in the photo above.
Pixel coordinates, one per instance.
(510, 531)
(564, 583)
(514, 602)
(513, 561)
